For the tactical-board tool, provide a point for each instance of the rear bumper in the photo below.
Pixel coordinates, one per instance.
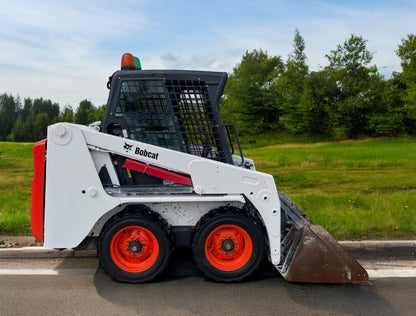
(38, 190)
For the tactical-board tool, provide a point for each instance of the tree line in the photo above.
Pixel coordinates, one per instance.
(27, 121)
(349, 98)
(346, 99)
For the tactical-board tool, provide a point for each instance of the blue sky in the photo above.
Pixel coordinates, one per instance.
(66, 50)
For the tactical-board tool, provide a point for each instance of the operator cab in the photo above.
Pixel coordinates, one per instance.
(175, 109)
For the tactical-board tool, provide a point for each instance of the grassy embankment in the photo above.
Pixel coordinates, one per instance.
(355, 189)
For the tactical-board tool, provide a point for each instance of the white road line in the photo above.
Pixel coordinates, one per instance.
(391, 273)
(47, 271)
(372, 273)
(390, 269)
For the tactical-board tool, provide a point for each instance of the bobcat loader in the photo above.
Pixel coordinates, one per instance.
(160, 172)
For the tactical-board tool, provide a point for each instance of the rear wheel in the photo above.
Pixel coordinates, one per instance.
(134, 248)
(228, 246)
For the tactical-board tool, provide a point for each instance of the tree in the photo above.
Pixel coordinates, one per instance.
(297, 58)
(99, 113)
(247, 101)
(407, 54)
(68, 114)
(320, 98)
(18, 133)
(290, 89)
(387, 119)
(9, 107)
(85, 113)
(33, 119)
(40, 127)
(356, 82)
(351, 56)
(46, 106)
(27, 108)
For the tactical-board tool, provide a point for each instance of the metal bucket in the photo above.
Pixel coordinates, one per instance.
(310, 254)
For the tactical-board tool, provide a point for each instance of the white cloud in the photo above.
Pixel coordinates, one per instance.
(54, 49)
(65, 51)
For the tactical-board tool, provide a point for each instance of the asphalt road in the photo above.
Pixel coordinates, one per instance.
(80, 287)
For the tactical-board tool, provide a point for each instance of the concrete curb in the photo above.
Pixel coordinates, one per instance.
(44, 253)
(13, 247)
(372, 249)
(383, 249)
(18, 241)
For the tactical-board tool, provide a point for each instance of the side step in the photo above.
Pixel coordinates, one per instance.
(310, 254)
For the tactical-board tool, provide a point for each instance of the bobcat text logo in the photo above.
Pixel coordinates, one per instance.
(145, 153)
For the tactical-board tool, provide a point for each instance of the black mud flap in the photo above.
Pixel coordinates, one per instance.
(310, 254)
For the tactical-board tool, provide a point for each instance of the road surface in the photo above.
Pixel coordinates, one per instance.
(77, 286)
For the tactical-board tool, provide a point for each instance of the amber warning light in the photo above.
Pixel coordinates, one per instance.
(130, 62)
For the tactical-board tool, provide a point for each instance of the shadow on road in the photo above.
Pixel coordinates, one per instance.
(184, 291)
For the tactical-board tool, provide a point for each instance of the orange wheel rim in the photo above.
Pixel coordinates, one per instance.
(228, 247)
(134, 249)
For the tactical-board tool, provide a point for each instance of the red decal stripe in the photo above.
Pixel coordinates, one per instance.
(134, 165)
(157, 172)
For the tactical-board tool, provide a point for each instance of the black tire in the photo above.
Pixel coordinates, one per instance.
(228, 246)
(134, 247)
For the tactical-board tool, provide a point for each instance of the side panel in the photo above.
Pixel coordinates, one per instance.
(177, 210)
(38, 189)
(74, 196)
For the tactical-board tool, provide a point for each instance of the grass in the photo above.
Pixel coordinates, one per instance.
(362, 189)
(16, 172)
(356, 189)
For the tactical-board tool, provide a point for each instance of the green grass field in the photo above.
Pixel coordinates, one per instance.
(355, 189)
(16, 172)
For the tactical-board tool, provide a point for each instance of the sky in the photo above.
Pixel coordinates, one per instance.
(66, 50)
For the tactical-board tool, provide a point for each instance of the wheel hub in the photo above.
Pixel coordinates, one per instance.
(227, 245)
(135, 246)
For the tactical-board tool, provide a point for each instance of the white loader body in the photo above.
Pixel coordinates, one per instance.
(77, 204)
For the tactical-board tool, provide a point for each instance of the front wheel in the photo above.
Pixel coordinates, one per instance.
(134, 248)
(228, 246)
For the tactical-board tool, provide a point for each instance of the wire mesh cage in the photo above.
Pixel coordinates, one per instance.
(176, 113)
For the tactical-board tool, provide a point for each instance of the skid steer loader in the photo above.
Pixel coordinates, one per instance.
(160, 171)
